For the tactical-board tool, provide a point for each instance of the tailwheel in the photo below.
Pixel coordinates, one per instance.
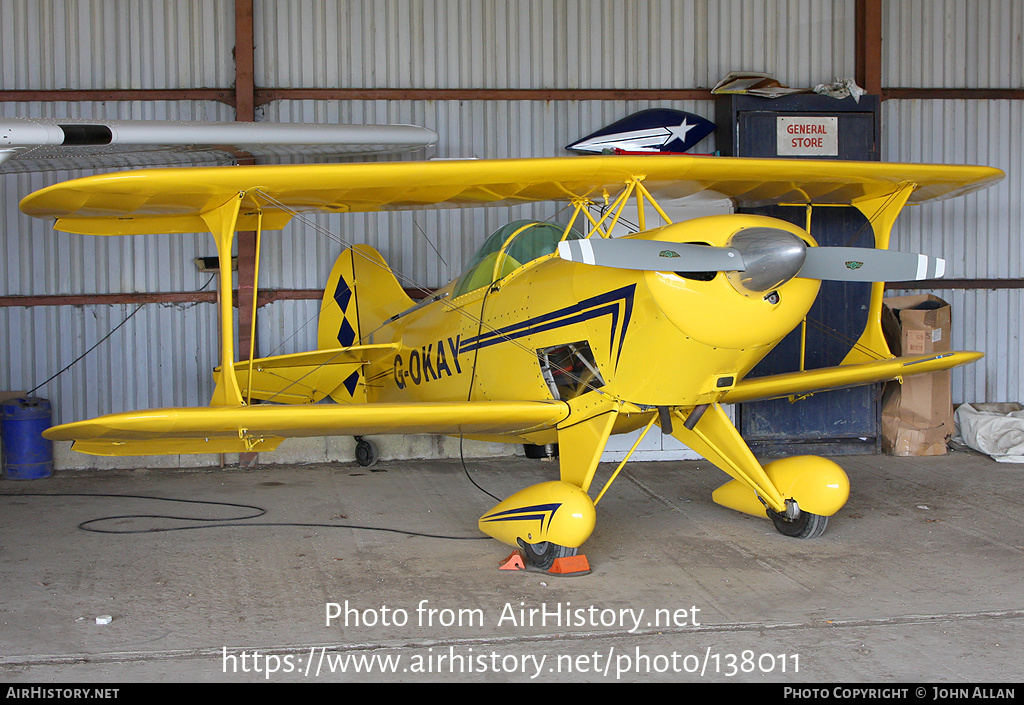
(805, 526)
(367, 454)
(542, 555)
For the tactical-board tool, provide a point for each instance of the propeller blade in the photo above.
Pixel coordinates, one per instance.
(650, 255)
(862, 264)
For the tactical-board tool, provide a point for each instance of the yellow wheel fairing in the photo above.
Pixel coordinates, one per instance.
(555, 511)
(818, 486)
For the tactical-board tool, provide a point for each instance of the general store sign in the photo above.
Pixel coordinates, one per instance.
(807, 136)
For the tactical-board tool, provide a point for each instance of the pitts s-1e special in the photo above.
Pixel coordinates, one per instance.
(553, 333)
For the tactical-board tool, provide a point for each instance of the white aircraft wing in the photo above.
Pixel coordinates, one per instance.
(36, 144)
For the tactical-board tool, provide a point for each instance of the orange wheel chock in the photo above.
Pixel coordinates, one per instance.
(566, 566)
(570, 565)
(513, 562)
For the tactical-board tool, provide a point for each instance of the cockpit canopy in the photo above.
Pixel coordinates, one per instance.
(508, 248)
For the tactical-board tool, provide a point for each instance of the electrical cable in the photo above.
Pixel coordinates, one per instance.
(71, 364)
(229, 522)
(468, 476)
(98, 342)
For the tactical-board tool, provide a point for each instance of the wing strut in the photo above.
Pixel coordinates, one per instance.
(633, 188)
(716, 438)
(221, 222)
(255, 299)
(881, 212)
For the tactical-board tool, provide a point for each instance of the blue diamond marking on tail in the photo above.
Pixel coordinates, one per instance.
(346, 335)
(350, 383)
(342, 294)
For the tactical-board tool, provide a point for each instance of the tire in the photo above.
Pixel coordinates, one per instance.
(542, 555)
(806, 526)
(366, 453)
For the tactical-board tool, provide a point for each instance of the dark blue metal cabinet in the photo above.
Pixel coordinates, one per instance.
(830, 423)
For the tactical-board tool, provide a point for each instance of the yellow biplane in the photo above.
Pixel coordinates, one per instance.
(553, 333)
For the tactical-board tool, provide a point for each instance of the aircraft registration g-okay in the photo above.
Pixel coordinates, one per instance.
(552, 334)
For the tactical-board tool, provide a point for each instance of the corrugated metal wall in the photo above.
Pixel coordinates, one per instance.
(550, 44)
(979, 235)
(93, 44)
(953, 44)
(960, 44)
(164, 355)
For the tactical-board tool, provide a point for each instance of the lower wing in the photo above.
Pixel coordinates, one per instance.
(826, 378)
(239, 429)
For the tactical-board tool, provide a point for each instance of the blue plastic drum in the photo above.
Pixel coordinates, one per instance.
(26, 454)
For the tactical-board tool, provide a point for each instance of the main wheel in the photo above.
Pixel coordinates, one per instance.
(806, 526)
(542, 555)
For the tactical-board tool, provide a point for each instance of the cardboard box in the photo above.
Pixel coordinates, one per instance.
(917, 415)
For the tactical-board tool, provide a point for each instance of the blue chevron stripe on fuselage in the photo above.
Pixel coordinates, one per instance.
(607, 304)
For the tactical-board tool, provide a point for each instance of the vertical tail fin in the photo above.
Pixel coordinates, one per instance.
(362, 292)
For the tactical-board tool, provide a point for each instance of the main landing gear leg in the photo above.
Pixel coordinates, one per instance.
(550, 520)
(798, 494)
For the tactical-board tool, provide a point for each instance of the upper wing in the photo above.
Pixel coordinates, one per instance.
(852, 375)
(171, 200)
(37, 144)
(236, 429)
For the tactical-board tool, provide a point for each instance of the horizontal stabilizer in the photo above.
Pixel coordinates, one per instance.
(826, 378)
(304, 378)
(360, 354)
(258, 428)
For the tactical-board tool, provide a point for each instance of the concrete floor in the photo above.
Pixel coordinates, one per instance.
(920, 578)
